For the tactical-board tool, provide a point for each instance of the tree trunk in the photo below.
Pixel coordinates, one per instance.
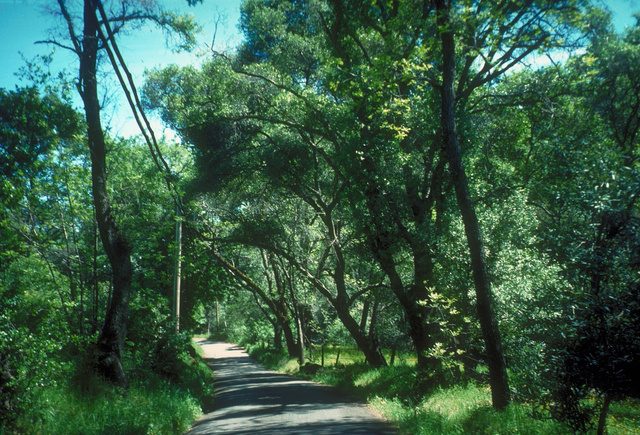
(417, 315)
(365, 314)
(278, 307)
(285, 324)
(111, 338)
(95, 281)
(300, 338)
(277, 336)
(602, 420)
(367, 344)
(491, 334)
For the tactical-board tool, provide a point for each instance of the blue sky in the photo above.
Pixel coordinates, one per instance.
(22, 22)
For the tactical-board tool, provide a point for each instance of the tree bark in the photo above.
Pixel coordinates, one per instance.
(418, 315)
(280, 306)
(114, 330)
(602, 420)
(177, 278)
(495, 357)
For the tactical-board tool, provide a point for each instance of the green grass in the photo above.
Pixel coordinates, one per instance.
(460, 409)
(155, 403)
(161, 409)
(624, 418)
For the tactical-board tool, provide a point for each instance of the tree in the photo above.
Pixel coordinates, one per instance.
(86, 45)
(501, 38)
(359, 110)
(39, 138)
(290, 162)
(603, 266)
(32, 127)
(566, 144)
(274, 298)
(495, 355)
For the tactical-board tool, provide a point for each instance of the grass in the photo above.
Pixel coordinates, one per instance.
(154, 403)
(460, 409)
(159, 409)
(624, 418)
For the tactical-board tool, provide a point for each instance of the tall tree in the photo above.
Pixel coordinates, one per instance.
(596, 225)
(256, 134)
(501, 37)
(114, 330)
(495, 354)
(86, 45)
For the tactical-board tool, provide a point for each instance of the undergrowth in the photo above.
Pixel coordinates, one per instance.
(143, 409)
(459, 409)
(168, 391)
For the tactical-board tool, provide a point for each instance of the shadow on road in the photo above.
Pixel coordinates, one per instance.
(253, 400)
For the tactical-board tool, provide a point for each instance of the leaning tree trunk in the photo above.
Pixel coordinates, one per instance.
(490, 332)
(419, 315)
(111, 338)
(367, 344)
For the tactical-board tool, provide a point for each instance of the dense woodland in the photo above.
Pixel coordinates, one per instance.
(455, 182)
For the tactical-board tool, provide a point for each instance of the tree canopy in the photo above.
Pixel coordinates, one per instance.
(400, 177)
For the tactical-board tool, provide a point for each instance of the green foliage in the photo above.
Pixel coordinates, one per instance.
(54, 286)
(143, 409)
(316, 169)
(269, 357)
(165, 396)
(32, 329)
(25, 369)
(30, 125)
(257, 336)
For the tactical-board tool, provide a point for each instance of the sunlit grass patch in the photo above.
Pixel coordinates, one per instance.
(444, 412)
(462, 410)
(336, 355)
(624, 417)
(387, 381)
(291, 366)
(139, 410)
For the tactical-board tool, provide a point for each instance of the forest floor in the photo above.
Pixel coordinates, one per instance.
(253, 400)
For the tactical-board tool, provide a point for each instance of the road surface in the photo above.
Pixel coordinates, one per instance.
(253, 400)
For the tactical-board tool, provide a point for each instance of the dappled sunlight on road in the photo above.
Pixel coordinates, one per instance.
(253, 400)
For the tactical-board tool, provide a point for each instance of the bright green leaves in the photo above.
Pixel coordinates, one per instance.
(568, 134)
(181, 30)
(40, 160)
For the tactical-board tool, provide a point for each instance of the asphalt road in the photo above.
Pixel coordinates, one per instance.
(253, 400)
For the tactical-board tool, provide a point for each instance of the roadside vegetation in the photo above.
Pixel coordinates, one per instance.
(170, 387)
(459, 409)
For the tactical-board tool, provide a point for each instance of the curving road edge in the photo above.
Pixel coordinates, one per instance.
(253, 400)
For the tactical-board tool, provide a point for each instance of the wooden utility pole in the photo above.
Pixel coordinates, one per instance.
(177, 269)
(217, 317)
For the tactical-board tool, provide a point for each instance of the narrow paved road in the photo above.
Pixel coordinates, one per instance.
(253, 400)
